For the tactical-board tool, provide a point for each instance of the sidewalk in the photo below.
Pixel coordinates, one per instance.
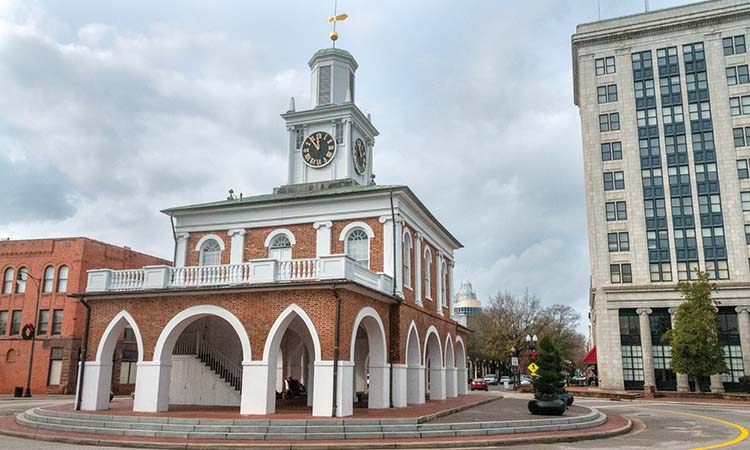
(669, 396)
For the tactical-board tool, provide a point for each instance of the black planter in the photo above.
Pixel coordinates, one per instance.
(567, 397)
(547, 407)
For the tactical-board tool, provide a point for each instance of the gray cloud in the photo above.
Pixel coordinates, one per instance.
(113, 111)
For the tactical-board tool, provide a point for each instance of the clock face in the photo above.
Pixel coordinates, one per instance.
(318, 149)
(359, 153)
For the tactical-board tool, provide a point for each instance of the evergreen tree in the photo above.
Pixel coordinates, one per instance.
(696, 350)
(549, 381)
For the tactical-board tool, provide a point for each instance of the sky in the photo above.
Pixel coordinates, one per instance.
(112, 111)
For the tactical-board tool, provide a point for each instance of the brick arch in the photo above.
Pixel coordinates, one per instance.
(108, 341)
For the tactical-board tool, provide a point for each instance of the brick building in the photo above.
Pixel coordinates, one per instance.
(337, 282)
(61, 265)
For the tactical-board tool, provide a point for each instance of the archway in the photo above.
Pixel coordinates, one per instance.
(450, 368)
(415, 380)
(206, 357)
(294, 341)
(462, 374)
(368, 355)
(433, 362)
(97, 381)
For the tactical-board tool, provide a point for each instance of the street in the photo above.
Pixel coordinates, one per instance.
(656, 425)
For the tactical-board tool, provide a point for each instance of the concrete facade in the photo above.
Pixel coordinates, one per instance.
(681, 43)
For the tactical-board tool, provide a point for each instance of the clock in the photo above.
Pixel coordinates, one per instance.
(318, 149)
(359, 153)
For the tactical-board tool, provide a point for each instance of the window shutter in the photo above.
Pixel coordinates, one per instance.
(324, 85)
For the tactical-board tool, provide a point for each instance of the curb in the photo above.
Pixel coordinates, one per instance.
(422, 444)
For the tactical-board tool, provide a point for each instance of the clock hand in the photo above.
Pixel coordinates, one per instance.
(316, 143)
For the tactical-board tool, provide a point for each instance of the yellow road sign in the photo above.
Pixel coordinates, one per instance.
(533, 368)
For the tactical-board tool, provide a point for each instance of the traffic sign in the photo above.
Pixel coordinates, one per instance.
(514, 361)
(533, 368)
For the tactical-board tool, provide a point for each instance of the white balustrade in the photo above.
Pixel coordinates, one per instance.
(127, 280)
(297, 269)
(258, 271)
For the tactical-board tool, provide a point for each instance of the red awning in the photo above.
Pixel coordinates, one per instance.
(590, 357)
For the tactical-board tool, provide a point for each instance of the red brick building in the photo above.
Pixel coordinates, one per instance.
(61, 266)
(331, 281)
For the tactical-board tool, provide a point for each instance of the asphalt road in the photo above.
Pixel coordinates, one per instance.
(657, 425)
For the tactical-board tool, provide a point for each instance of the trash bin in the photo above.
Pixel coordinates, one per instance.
(506, 384)
(18, 392)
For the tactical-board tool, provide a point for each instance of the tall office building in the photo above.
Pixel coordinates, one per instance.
(664, 99)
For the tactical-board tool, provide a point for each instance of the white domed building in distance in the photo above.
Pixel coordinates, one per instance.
(466, 302)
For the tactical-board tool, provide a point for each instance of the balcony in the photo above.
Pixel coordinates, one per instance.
(254, 272)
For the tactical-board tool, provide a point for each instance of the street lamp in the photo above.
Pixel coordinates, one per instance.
(22, 276)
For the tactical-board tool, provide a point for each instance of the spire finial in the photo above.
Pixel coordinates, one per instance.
(333, 19)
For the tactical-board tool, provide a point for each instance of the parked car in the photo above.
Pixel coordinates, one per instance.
(525, 380)
(491, 379)
(480, 384)
(506, 379)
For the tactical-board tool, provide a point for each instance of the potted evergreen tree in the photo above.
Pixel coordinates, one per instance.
(549, 382)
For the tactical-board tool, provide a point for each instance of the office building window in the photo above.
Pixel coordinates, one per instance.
(62, 279)
(55, 366)
(737, 75)
(609, 122)
(709, 204)
(49, 279)
(3, 323)
(57, 317)
(660, 271)
(742, 172)
(734, 45)
(9, 278)
(700, 111)
(646, 117)
(696, 81)
(15, 323)
(43, 325)
(675, 144)
(614, 181)
(23, 273)
(128, 366)
(616, 211)
(606, 94)
(713, 236)
(618, 242)
(620, 273)
(745, 197)
(717, 270)
(605, 66)
(739, 106)
(672, 114)
(611, 151)
(682, 206)
(687, 270)
(741, 136)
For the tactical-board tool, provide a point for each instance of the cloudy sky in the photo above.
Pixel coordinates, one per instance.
(111, 111)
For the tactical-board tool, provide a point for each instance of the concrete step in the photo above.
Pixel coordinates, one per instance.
(247, 429)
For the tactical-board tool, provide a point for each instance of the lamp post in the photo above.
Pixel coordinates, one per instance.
(514, 367)
(22, 277)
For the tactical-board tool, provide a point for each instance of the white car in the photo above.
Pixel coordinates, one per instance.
(525, 380)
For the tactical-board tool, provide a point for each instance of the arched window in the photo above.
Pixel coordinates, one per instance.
(21, 284)
(8, 280)
(358, 247)
(428, 274)
(210, 253)
(62, 279)
(49, 279)
(280, 248)
(407, 260)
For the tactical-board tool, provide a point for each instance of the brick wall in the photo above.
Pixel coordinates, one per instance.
(79, 255)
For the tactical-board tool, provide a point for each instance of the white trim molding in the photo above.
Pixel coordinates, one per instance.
(350, 226)
(205, 238)
(277, 232)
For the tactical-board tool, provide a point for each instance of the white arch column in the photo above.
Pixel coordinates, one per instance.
(97, 380)
(379, 390)
(434, 353)
(450, 369)
(462, 373)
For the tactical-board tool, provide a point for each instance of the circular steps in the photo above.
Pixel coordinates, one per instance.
(254, 429)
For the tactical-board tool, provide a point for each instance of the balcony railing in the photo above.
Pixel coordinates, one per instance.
(258, 271)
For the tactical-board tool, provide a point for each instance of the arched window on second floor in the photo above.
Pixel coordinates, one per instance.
(49, 279)
(407, 260)
(23, 273)
(280, 248)
(443, 284)
(8, 280)
(210, 253)
(358, 247)
(428, 273)
(62, 279)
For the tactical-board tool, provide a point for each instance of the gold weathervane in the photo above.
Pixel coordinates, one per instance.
(333, 19)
